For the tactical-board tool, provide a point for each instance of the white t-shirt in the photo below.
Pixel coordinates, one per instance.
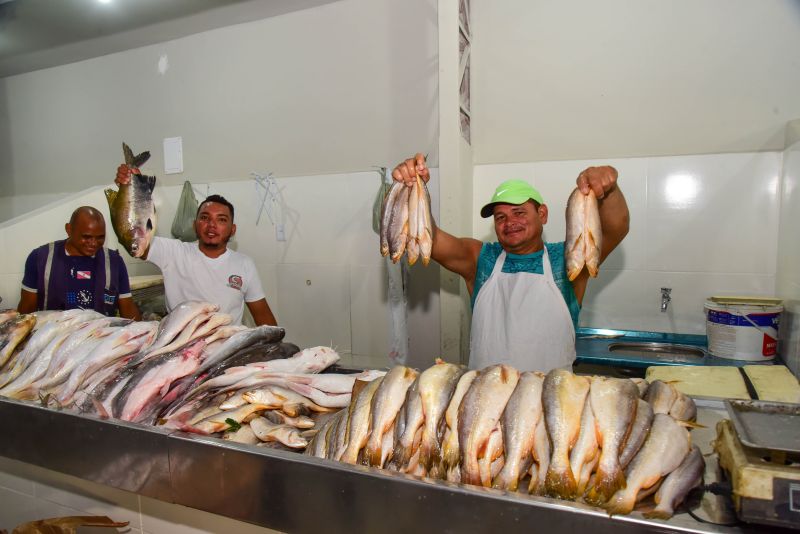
(228, 281)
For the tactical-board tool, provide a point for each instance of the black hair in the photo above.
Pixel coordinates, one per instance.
(219, 199)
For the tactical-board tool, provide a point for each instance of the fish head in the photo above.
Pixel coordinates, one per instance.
(140, 238)
(519, 226)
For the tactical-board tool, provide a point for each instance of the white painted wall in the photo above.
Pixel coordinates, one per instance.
(326, 283)
(702, 225)
(580, 79)
(336, 88)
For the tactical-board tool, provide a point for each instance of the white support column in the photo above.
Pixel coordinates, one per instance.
(455, 171)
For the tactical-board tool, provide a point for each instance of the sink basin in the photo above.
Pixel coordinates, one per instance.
(657, 351)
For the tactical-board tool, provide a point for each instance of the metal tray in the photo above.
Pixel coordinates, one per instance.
(766, 425)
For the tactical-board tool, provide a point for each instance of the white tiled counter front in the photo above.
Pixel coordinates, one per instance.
(29, 492)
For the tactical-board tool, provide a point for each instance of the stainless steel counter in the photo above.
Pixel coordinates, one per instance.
(296, 493)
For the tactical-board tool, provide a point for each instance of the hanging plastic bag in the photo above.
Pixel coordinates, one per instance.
(183, 225)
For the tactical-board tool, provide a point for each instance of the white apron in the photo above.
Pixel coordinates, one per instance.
(521, 319)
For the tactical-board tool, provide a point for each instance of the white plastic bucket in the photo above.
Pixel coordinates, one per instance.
(742, 331)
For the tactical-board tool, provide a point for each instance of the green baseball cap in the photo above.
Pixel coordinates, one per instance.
(511, 192)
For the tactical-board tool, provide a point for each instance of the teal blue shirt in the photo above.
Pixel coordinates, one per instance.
(528, 263)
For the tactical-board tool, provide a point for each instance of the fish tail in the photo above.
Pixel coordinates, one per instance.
(505, 480)
(658, 514)
(471, 472)
(560, 482)
(621, 503)
(605, 486)
(373, 456)
(449, 457)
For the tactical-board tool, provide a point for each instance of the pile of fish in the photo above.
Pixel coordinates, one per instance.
(133, 211)
(572, 437)
(406, 222)
(142, 371)
(584, 234)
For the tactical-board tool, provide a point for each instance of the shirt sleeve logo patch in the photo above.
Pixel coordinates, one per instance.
(235, 281)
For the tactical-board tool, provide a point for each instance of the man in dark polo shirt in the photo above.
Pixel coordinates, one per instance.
(78, 272)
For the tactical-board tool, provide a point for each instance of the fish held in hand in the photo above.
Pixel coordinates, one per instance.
(584, 234)
(133, 211)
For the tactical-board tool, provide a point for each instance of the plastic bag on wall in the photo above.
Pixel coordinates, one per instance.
(183, 224)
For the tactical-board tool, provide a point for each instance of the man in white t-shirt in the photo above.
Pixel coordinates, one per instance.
(208, 270)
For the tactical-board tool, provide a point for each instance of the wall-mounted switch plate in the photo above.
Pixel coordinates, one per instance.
(173, 155)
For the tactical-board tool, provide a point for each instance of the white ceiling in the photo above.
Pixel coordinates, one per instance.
(37, 34)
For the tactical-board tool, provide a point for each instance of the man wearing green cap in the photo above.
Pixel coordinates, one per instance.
(525, 308)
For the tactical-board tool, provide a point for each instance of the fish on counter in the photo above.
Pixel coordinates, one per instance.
(584, 234)
(663, 451)
(589, 439)
(133, 211)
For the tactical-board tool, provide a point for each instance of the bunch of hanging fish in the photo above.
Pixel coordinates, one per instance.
(128, 370)
(584, 239)
(569, 436)
(406, 222)
(133, 211)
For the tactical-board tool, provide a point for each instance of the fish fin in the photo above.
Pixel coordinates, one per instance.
(620, 504)
(128, 153)
(572, 274)
(605, 486)
(98, 406)
(141, 159)
(560, 483)
(111, 196)
(149, 181)
(689, 424)
(657, 514)
(374, 456)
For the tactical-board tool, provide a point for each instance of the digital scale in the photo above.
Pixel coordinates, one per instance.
(759, 450)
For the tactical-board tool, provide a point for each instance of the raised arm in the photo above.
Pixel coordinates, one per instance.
(614, 214)
(456, 254)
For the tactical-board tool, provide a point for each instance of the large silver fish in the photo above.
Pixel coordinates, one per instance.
(358, 421)
(133, 212)
(12, 332)
(450, 446)
(678, 484)
(661, 396)
(664, 450)
(480, 411)
(639, 429)
(436, 387)
(409, 421)
(584, 234)
(520, 418)
(586, 451)
(614, 402)
(564, 395)
(386, 404)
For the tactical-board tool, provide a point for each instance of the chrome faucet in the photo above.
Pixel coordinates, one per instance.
(665, 298)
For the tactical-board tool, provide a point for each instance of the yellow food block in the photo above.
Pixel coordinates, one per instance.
(774, 383)
(702, 381)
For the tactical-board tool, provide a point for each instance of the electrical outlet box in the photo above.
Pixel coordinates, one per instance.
(280, 232)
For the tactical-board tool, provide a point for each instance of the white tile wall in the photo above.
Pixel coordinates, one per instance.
(702, 225)
(788, 268)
